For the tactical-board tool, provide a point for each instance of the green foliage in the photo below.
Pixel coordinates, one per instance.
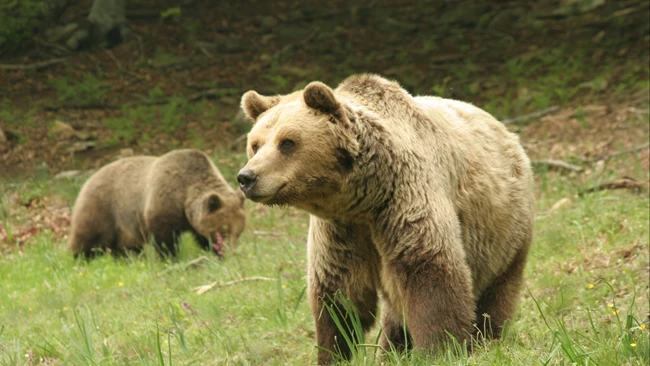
(12, 116)
(18, 19)
(173, 14)
(89, 90)
(122, 128)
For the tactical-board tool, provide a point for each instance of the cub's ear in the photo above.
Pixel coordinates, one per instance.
(212, 203)
(254, 104)
(320, 97)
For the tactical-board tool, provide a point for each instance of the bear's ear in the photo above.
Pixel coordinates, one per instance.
(212, 203)
(254, 104)
(320, 97)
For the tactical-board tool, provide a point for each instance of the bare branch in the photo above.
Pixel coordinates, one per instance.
(529, 116)
(557, 164)
(618, 153)
(623, 183)
(36, 65)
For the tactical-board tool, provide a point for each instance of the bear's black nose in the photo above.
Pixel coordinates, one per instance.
(247, 180)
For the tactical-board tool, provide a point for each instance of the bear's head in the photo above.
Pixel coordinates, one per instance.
(217, 216)
(300, 148)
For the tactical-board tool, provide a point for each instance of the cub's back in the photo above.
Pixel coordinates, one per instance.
(115, 188)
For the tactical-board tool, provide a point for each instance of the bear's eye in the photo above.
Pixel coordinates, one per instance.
(287, 146)
(254, 147)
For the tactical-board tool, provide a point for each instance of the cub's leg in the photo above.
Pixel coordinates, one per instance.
(499, 301)
(202, 241)
(165, 238)
(342, 262)
(91, 236)
(91, 243)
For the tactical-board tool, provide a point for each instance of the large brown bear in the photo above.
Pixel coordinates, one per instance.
(133, 199)
(424, 203)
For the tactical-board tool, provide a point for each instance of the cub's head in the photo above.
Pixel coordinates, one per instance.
(300, 149)
(217, 216)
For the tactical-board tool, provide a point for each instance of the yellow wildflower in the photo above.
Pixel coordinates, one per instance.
(591, 285)
(610, 305)
(65, 308)
(642, 326)
(120, 283)
(81, 273)
(632, 344)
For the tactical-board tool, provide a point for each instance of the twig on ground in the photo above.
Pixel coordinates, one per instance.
(623, 183)
(529, 116)
(237, 141)
(276, 56)
(557, 164)
(195, 262)
(62, 50)
(267, 233)
(618, 153)
(211, 93)
(638, 110)
(201, 47)
(205, 288)
(54, 108)
(183, 267)
(35, 65)
(117, 62)
(140, 46)
(120, 68)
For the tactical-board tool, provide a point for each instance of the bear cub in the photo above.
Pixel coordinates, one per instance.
(132, 200)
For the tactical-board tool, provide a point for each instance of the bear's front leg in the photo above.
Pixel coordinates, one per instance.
(165, 239)
(342, 262)
(427, 283)
(438, 300)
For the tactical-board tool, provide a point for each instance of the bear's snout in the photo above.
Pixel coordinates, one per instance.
(247, 180)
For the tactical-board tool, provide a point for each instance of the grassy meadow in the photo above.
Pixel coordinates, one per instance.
(585, 303)
(586, 300)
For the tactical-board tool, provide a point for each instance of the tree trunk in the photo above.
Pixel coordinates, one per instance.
(106, 26)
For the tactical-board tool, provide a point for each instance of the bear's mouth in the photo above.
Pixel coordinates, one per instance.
(268, 198)
(217, 243)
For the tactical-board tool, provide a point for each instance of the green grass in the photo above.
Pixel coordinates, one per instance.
(89, 90)
(585, 303)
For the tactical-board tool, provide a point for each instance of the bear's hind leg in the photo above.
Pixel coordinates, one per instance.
(498, 302)
(342, 262)
(327, 306)
(91, 244)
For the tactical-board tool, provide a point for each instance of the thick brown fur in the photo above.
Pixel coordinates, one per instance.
(422, 204)
(135, 199)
